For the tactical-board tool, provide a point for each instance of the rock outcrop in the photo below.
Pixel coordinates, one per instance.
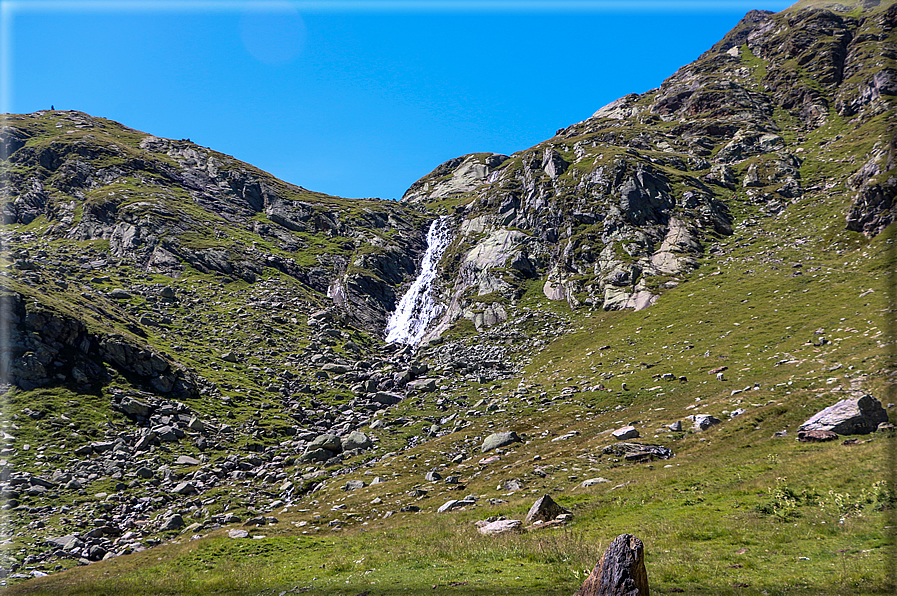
(855, 416)
(620, 571)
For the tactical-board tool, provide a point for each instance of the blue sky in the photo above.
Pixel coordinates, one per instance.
(352, 98)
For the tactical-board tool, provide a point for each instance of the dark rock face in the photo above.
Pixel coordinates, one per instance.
(620, 571)
(856, 416)
(875, 203)
(47, 346)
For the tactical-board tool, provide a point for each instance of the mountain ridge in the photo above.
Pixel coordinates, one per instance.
(201, 343)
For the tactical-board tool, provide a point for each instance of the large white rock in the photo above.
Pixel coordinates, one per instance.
(855, 416)
(499, 527)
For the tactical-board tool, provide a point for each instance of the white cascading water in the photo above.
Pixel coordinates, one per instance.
(418, 307)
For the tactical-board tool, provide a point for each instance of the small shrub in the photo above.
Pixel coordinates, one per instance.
(784, 503)
(844, 505)
(884, 497)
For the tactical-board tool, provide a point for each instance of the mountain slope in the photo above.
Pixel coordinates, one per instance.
(787, 109)
(195, 346)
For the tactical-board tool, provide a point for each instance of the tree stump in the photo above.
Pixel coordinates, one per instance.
(620, 571)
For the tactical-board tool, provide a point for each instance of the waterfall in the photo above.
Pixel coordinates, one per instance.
(418, 307)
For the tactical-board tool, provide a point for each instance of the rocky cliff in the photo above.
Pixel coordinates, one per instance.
(786, 108)
(163, 206)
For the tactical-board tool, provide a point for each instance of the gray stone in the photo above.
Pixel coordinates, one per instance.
(186, 460)
(119, 294)
(637, 451)
(544, 509)
(423, 385)
(133, 407)
(175, 522)
(856, 416)
(703, 421)
(447, 506)
(66, 542)
(354, 485)
(184, 488)
(593, 482)
(385, 398)
(336, 369)
(627, 432)
(511, 485)
(316, 455)
(433, 476)
(455, 504)
(500, 527)
(326, 441)
(166, 434)
(356, 440)
(497, 440)
(236, 533)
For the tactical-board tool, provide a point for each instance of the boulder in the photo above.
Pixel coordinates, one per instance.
(545, 509)
(502, 439)
(856, 416)
(165, 433)
(637, 451)
(184, 488)
(620, 571)
(175, 522)
(66, 542)
(356, 440)
(386, 398)
(326, 441)
(316, 455)
(455, 504)
(499, 527)
(336, 369)
(627, 432)
(423, 385)
(186, 460)
(132, 407)
(703, 421)
(593, 481)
